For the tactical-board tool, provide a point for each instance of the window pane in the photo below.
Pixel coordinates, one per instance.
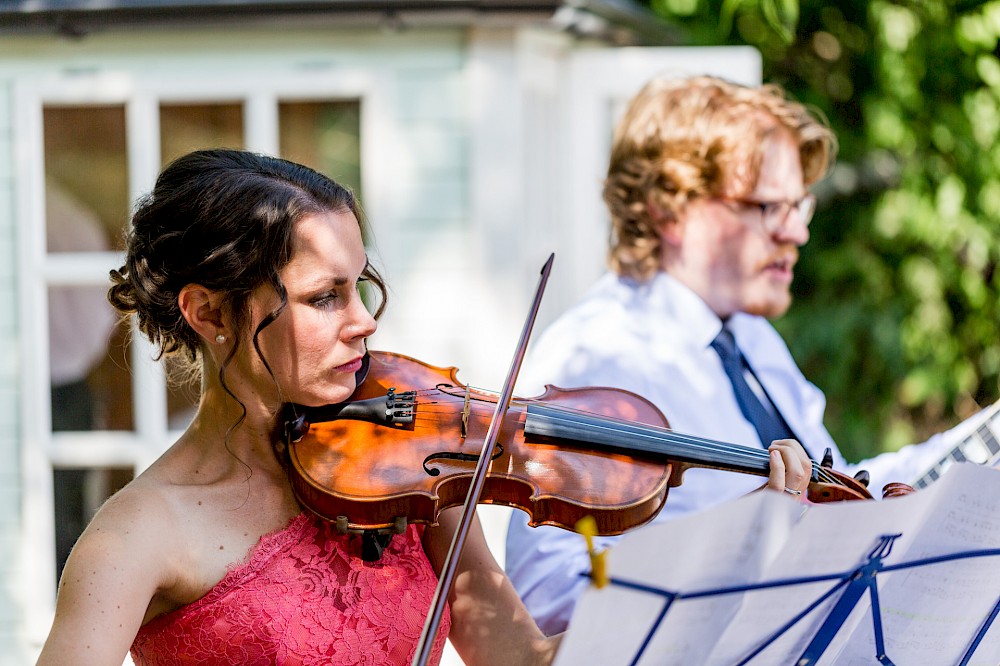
(324, 136)
(85, 383)
(79, 492)
(86, 178)
(183, 128)
(187, 127)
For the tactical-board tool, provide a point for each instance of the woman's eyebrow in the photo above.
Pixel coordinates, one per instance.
(324, 282)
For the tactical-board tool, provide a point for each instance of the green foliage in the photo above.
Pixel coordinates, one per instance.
(896, 315)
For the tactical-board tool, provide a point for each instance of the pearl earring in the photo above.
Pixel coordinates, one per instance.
(220, 338)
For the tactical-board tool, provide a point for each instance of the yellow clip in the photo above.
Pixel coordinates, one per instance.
(587, 526)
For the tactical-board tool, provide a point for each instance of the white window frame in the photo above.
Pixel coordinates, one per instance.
(41, 449)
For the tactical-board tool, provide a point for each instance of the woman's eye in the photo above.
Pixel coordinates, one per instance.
(324, 299)
(329, 298)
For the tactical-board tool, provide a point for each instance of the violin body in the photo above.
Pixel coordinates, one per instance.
(405, 446)
(373, 474)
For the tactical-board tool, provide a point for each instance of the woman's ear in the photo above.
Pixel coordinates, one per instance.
(202, 309)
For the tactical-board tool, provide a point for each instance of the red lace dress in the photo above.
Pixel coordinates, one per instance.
(304, 596)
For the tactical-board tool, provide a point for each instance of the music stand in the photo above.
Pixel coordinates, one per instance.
(766, 580)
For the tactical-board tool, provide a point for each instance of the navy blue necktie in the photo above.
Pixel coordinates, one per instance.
(768, 423)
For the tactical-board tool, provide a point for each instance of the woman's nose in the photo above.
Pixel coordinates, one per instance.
(362, 322)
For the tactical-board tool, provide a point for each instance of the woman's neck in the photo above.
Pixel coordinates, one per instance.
(223, 427)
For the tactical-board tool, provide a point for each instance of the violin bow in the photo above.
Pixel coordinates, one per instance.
(478, 481)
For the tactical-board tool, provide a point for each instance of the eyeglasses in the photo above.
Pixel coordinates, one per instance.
(774, 214)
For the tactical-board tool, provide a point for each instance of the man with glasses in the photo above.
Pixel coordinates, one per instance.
(708, 193)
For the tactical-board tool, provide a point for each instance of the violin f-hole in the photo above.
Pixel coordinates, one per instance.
(448, 455)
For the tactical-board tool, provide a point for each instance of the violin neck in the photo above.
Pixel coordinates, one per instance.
(626, 437)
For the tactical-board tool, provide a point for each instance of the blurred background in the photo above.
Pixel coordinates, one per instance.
(476, 134)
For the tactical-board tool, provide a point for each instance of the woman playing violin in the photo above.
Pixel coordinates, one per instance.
(249, 267)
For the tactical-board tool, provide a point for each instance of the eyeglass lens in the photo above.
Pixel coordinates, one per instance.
(776, 213)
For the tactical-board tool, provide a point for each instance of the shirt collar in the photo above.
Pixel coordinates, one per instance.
(668, 294)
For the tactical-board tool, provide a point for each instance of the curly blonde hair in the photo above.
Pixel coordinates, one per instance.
(684, 138)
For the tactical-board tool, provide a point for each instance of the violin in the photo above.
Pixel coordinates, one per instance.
(404, 446)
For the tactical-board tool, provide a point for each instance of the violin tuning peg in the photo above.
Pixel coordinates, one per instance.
(827, 458)
(863, 477)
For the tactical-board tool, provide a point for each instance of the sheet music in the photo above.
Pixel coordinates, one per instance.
(929, 614)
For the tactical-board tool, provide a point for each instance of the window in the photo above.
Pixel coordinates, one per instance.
(325, 136)
(86, 204)
(111, 410)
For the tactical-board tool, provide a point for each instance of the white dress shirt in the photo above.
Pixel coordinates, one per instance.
(654, 339)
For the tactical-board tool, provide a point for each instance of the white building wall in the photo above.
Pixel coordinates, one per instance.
(471, 177)
(10, 474)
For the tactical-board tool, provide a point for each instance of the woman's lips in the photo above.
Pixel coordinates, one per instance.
(353, 366)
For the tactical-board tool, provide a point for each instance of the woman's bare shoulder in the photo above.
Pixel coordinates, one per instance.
(130, 534)
(112, 574)
(141, 510)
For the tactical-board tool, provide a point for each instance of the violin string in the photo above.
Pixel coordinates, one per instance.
(738, 452)
(659, 431)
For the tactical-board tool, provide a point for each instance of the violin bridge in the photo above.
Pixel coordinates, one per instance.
(465, 413)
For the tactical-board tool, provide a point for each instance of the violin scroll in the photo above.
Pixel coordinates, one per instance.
(856, 488)
(834, 486)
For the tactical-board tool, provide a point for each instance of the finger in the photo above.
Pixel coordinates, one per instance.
(776, 477)
(797, 465)
(796, 462)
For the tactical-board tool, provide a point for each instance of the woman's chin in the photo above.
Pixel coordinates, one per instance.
(331, 397)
